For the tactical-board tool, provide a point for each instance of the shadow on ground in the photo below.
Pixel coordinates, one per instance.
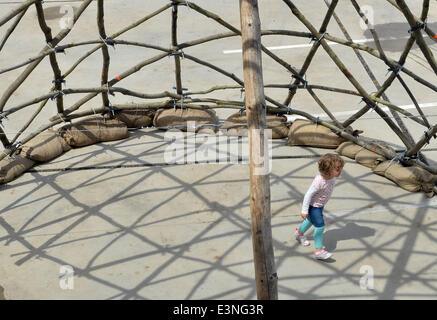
(183, 231)
(350, 231)
(395, 36)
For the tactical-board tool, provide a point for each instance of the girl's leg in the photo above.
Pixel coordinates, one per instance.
(319, 226)
(306, 224)
(318, 237)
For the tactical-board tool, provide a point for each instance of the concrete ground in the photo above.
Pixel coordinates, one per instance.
(117, 220)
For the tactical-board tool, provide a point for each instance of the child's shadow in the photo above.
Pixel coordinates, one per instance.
(349, 231)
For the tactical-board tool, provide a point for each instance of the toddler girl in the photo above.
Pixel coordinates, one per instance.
(330, 167)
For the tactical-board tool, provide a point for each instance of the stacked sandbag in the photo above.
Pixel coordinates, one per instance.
(93, 130)
(348, 149)
(371, 159)
(307, 133)
(236, 125)
(364, 156)
(45, 147)
(412, 178)
(179, 119)
(136, 118)
(13, 167)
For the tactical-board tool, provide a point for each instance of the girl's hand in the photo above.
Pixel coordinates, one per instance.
(304, 215)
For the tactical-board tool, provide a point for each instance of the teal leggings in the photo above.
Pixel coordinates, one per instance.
(318, 232)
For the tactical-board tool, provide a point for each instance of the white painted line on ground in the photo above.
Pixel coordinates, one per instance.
(306, 45)
(348, 113)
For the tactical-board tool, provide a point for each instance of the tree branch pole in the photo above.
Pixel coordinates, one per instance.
(24, 6)
(12, 28)
(396, 69)
(174, 43)
(105, 51)
(417, 31)
(372, 76)
(53, 61)
(23, 76)
(432, 35)
(366, 97)
(265, 274)
(312, 53)
(14, 86)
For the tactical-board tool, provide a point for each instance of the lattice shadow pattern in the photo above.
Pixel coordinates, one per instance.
(129, 257)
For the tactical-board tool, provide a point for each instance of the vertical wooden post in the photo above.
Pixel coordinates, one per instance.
(265, 274)
(105, 51)
(174, 42)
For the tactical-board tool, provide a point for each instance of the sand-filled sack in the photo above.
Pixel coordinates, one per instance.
(348, 149)
(13, 167)
(307, 133)
(93, 130)
(136, 118)
(236, 125)
(371, 159)
(181, 118)
(412, 178)
(45, 146)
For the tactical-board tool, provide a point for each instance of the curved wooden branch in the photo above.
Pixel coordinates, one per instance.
(105, 52)
(417, 31)
(12, 28)
(23, 7)
(23, 76)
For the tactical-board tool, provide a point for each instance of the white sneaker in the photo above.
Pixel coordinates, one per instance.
(323, 255)
(302, 239)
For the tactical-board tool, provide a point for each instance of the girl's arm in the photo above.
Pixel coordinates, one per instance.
(307, 199)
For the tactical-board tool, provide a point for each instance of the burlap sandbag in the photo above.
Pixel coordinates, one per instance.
(11, 168)
(236, 125)
(412, 178)
(372, 159)
(136, 118)
(179, 118)
(307, 133)
(93, 130)
(348, 149)
(368, 158)
(45, 146)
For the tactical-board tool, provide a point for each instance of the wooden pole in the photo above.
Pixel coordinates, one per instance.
(174, 43)
(366, 97)
(12, 28)
(23, 76)
(312, 53)
(18, 10)
(417, 31)
(105, 51)
(265, 274)
(54, 63)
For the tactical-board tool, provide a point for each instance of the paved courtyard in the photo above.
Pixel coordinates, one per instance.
(127, 224)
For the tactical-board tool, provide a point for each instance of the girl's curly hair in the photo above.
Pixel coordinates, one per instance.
(328, 162)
